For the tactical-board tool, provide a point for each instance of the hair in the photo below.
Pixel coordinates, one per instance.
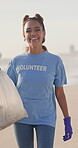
(37, 18)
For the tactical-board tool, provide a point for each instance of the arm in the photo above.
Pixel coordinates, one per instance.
(61, 98)
(11, 72)
(63, 105)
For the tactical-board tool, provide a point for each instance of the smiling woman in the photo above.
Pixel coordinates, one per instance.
(34, 32)
(39, 77)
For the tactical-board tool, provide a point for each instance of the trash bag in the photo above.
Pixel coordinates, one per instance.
(11, 106)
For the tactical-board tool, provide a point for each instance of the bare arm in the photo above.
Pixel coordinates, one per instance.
(61, 98)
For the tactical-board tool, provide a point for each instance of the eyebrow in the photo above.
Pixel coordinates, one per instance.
(34, 28)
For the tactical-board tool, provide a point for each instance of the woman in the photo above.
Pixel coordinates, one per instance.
(39, 76)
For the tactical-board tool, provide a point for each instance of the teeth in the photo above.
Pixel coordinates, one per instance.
(33, 38)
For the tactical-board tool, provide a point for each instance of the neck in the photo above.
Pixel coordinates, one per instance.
(35, 50)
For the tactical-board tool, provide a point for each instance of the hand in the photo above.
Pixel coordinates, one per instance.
(68, 129)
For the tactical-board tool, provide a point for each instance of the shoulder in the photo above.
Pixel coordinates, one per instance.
(18, 58)
(54, 57)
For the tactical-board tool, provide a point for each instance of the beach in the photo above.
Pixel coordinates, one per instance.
(72, 101)
(8, 140)
(7, 137)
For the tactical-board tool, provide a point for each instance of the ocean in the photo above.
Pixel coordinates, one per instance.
(70, 61)
(71, 66)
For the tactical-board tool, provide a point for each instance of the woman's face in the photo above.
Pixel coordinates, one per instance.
(34, 33)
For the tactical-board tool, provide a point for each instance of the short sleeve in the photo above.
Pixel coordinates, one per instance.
(60, 76)
(11, 72)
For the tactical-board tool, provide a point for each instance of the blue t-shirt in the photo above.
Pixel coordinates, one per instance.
(35, 75)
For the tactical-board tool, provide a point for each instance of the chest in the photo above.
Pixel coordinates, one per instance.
(36, 74)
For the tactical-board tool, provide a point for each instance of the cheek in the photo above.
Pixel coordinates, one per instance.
(26, 37)
(42, 36)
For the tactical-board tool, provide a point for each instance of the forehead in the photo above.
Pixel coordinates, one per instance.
(32, 24)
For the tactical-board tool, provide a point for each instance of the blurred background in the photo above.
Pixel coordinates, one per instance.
(61, 23)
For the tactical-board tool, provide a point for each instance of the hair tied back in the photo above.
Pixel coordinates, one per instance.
(39, 17)
(25, 19)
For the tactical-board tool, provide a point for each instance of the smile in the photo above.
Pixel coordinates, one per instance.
(34, 38)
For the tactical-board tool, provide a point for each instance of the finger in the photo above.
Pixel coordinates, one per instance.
(70, 135)
(67, 137)
(64, 138)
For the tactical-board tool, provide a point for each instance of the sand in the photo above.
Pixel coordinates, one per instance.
(7, 137)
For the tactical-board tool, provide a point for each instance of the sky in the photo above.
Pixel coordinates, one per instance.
(60, 19)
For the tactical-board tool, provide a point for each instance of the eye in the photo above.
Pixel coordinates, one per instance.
(27, 31)
(37, 29)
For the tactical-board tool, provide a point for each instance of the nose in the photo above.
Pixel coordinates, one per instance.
(33, 32)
